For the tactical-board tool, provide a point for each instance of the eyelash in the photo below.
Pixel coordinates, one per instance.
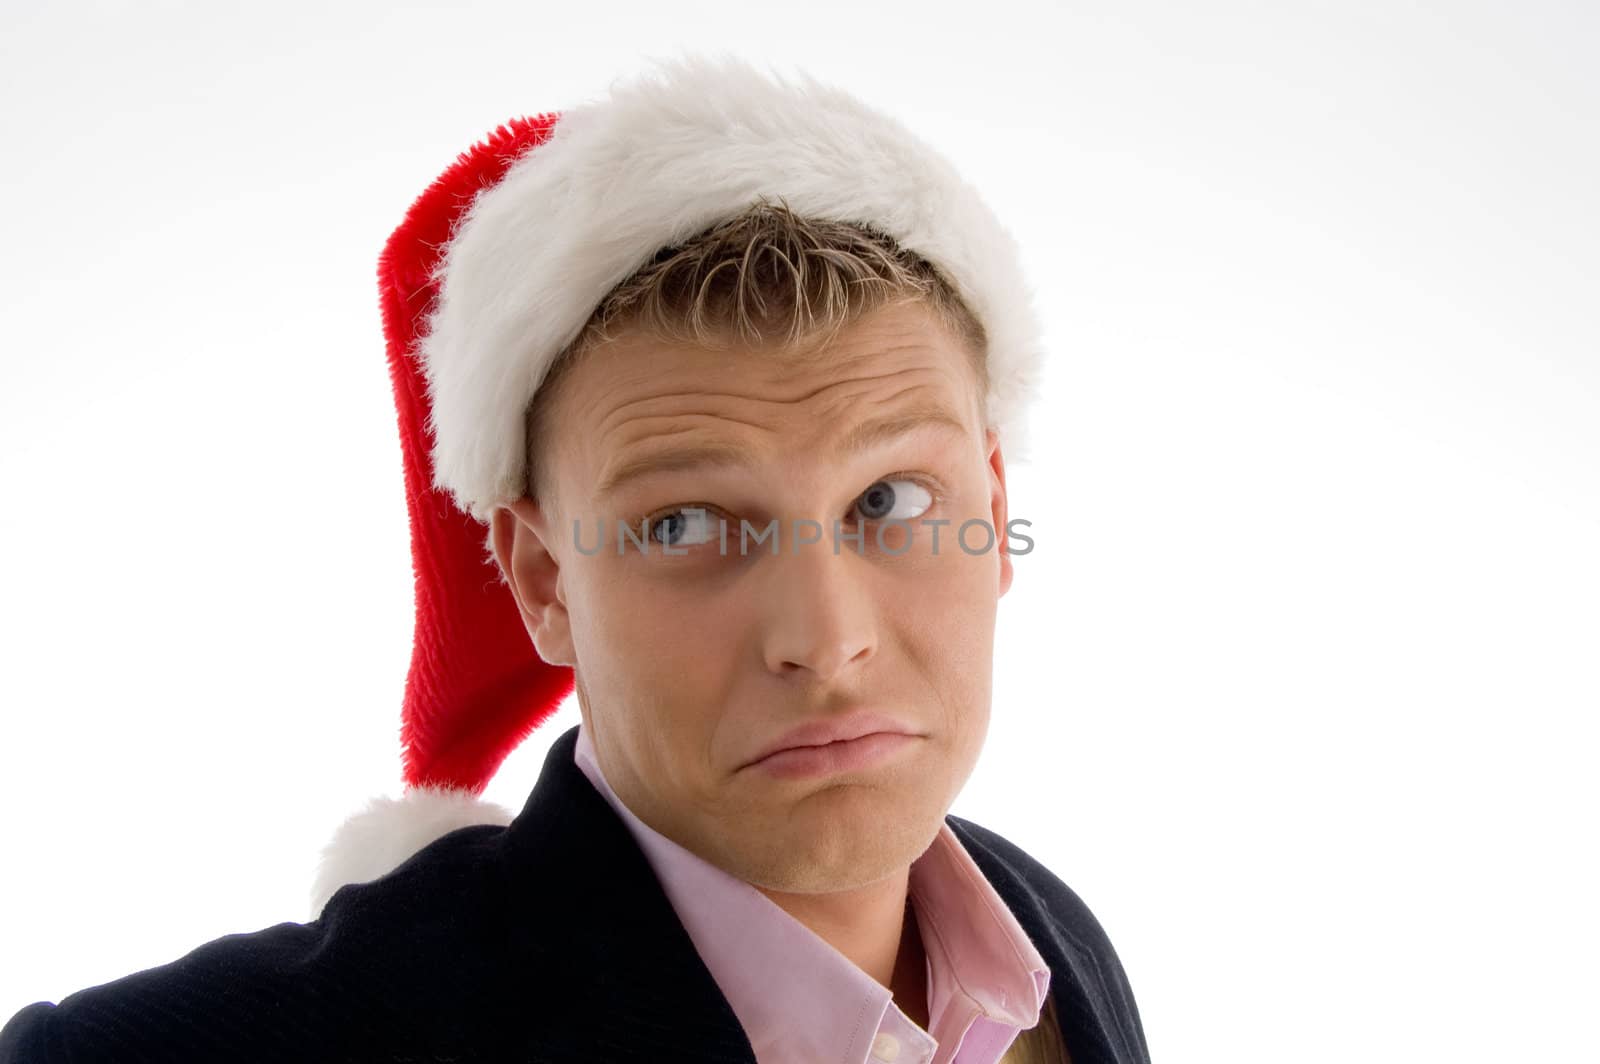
(927, 483)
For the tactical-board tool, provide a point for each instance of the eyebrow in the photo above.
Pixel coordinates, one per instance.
(725, 455)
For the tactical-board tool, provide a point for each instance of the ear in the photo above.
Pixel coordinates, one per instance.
(998, 505)
(522, 538)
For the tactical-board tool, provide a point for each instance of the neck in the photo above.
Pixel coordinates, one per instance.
(876, 930)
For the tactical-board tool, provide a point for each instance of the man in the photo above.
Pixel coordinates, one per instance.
(727, 366)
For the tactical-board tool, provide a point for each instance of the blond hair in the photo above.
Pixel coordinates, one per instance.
(768, 278)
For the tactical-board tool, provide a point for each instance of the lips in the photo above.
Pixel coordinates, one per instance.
(833, 730)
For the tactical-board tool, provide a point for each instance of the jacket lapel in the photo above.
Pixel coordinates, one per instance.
(627, 981)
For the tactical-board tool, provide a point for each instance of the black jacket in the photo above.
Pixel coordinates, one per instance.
(546, 940)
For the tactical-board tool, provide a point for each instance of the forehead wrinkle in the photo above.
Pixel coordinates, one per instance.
(675, 419)
(924, 416)
(618, 418)
(645, 459)
(867, 378)
(930, 412)
(832, 362)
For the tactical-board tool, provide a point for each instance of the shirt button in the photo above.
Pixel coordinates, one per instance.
(886, 1047)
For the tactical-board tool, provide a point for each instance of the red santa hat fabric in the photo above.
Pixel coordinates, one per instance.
(497, 267)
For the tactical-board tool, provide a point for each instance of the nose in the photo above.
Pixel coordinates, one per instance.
(819, 614)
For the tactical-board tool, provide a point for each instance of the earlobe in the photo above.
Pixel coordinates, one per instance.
(534, 575)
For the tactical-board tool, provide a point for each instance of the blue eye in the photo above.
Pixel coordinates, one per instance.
(686, 526)
(885, 502)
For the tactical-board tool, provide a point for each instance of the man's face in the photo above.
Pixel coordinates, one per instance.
(690, 664)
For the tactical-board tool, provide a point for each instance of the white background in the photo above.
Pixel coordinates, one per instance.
(1297, 687)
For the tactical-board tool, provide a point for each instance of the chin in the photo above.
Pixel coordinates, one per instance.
(843, 848)
(818, 878)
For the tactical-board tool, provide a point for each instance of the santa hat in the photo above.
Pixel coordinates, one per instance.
(498, 266)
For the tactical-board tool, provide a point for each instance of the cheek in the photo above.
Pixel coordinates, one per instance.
(947, 617)
(626, 626)
(950, 597)
(650, 657)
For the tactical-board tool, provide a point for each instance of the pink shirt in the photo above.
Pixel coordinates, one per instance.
(801, 1001)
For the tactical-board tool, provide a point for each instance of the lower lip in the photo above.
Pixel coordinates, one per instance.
(863, 752)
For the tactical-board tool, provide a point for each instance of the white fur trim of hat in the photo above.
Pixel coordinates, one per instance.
(666, 156)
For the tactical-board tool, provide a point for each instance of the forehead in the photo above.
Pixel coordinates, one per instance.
(636, 394)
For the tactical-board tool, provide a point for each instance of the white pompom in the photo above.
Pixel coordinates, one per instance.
(377, 840)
